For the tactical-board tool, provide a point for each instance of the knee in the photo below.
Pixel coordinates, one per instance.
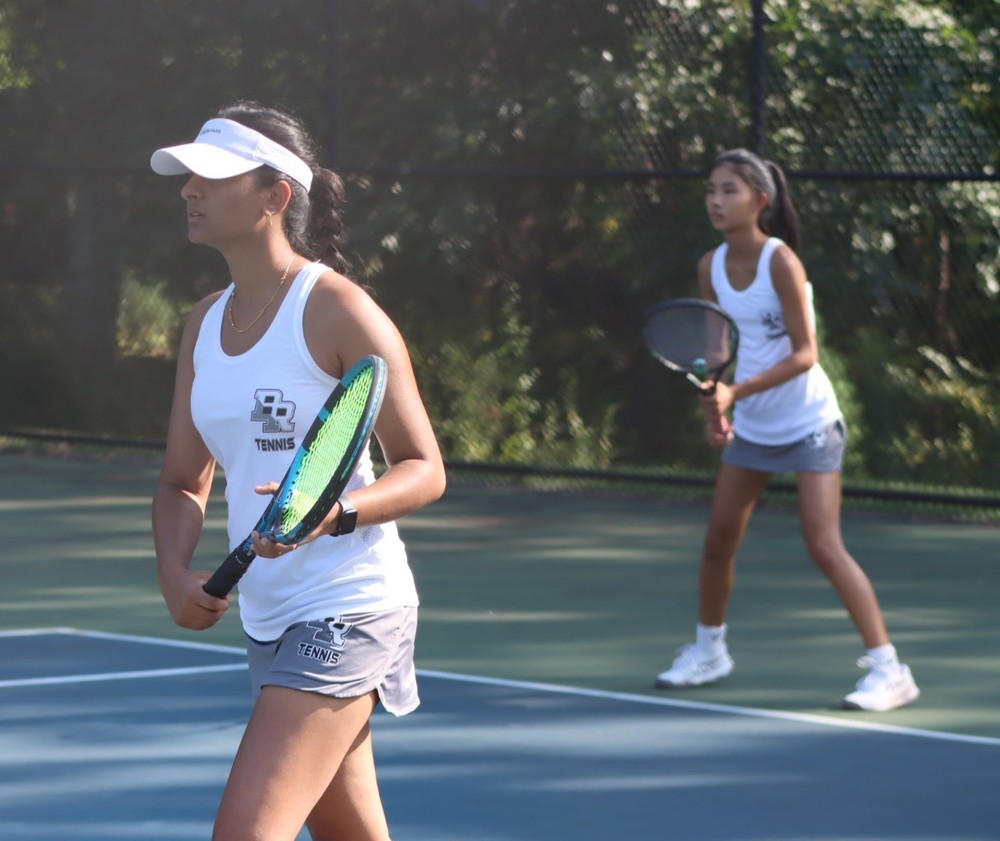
(719, 549)
(827, 551)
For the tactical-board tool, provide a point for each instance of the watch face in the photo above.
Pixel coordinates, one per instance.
(348, 518)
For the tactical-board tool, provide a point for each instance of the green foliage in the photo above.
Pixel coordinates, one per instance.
(149, 323)
(933, 419)
(56, 389)
(34, 371)
(479, 141)
(952, 429)
(488, 405)
(838, 368)
(11, 76)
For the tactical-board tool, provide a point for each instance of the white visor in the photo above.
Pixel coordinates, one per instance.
(224, 148)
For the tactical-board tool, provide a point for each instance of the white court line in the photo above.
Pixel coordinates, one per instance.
(135, 675)
(706, 706)
(703, 706)
(108, 676)
(106, 635)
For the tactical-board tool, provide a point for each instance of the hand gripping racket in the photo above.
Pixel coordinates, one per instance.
(320, 470)
(693, 337)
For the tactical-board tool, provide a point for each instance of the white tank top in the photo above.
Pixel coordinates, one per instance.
(796, 408)
(253, 410)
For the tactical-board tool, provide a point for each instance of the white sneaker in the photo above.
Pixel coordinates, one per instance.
(694, 666)
(884, 688)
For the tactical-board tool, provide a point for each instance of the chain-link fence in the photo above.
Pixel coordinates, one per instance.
(524, 179)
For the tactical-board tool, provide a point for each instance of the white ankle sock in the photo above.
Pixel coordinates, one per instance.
(884, 655)
(711, 637)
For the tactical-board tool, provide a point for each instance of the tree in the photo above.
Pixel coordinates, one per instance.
(524, 179)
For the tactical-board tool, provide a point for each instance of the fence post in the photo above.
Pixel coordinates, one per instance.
(758, 88)
(334, 45)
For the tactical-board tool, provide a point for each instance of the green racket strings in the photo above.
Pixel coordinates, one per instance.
(327, 450)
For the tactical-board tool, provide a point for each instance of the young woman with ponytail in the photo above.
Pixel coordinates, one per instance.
(785, 419)
(330, 623)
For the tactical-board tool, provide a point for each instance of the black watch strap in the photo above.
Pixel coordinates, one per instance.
(348, 517)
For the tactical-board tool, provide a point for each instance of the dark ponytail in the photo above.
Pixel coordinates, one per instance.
(327, 199)
(779, 218)
(314, 221)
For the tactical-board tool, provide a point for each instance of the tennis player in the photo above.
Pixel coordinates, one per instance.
(330, 624)
(785, 419)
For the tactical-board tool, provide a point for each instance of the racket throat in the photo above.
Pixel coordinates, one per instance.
(706, 388)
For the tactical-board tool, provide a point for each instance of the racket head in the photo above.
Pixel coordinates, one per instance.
(692, 336)
(329, 454)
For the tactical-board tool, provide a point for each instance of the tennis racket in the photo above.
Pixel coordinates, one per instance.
(696, 338)
(319, 471)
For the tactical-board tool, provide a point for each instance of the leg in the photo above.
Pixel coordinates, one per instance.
(736, 493)
(295, 744)
(351, 807)
(707, 659)
(819, 507)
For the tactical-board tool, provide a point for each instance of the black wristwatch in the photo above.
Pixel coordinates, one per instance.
(348, 517)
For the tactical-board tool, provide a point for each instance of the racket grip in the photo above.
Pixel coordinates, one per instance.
(720, 423)
(230, 571)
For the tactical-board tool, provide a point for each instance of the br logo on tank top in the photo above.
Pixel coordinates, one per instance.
(774, 324)
(275, 414)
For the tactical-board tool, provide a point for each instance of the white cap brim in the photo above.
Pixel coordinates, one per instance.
(225, 148)
(201, 159)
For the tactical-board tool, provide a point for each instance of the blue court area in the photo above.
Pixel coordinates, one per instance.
(109, 736)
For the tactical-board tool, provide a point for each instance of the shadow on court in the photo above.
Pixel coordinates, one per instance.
(108, 737)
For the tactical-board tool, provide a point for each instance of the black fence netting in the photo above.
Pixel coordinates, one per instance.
(524, 179)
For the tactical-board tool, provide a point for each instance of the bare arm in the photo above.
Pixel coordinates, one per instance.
(180, 500)
(342, 325)
(705, 278)
(718, 431)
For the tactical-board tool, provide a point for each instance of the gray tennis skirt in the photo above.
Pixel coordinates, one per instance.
(344, 657)
(820, 452)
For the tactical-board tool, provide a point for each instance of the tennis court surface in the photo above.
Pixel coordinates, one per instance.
(108, 737)
(545, 617)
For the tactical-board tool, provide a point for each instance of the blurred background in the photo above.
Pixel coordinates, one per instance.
(524, 178)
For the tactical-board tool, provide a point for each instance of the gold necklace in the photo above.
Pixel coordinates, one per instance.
(263, 309)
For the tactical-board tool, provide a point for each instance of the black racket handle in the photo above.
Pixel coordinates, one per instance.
(230, 571)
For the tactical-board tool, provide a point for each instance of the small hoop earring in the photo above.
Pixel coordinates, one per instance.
(270, 218)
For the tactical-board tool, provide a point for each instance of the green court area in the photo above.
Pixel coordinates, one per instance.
(584, 589)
